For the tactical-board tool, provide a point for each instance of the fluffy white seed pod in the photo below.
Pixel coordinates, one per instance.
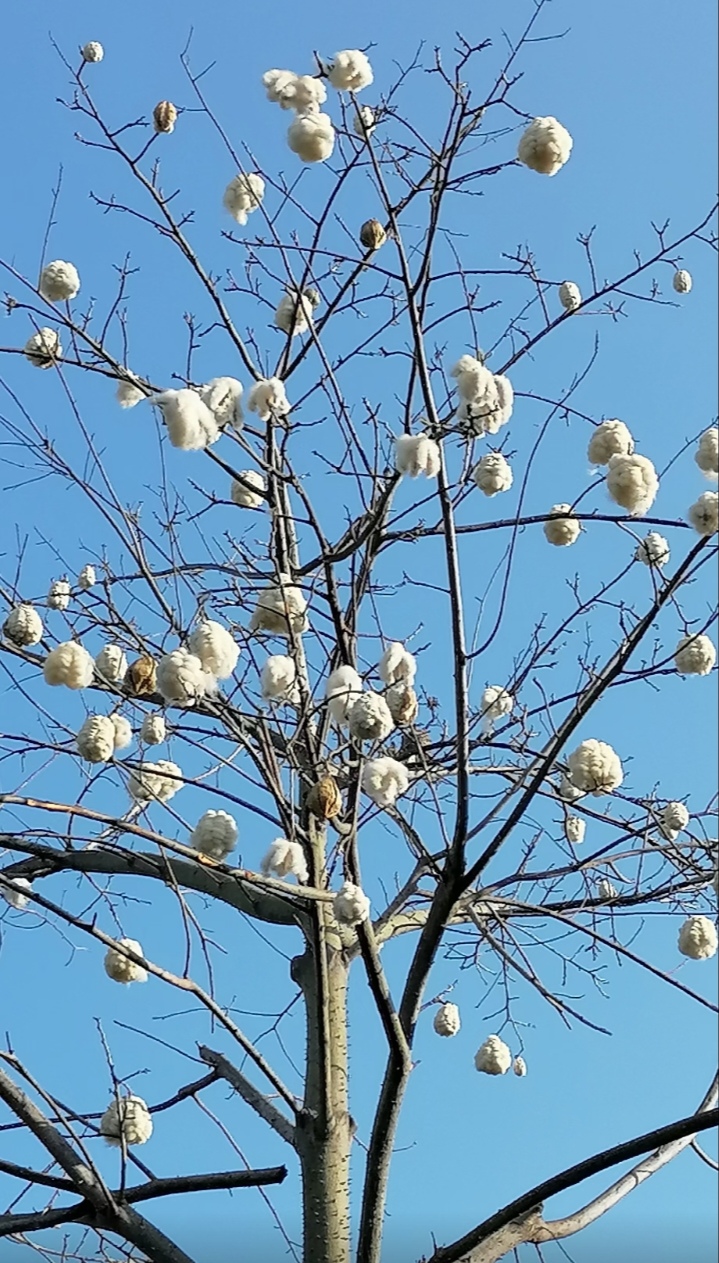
(120, 968)
(59, 281)
(111, 664)
(595, 768)
(396, 664)
(415, 454)
(653, 550)
(519, 1066)
(402, 701)
(611, 438)
(242, 495)
(69, 664)
(93, 51)
(673, 819)
(155, 781)
(698, 938)
(286, 859)
(605, 889)
(570, 296)
(492, 474)
(294, 92)
(486, 400)
(370, 718)
(191, 425)
(383, 780)
(279, 86)
(268, 398)
(294, 313)
(223, 396)
(350, 905)
(474, 380)
(14, 891)
(311, 137)
(278, 680)
(214, 646)
(96, 739)
(695, 655)
(575, 829)
(123, 731)
(343, 688)
(87, 578)
(215, 834)
(493, 1056)
(154, 730)
(562, 531)
(131, 1121)
(43, 349)
(128, 393)
(545, 146)
(496, 704)
(447, 1020)
(23, 626)
(632, 482)
(704, 513)
(243, 195)
(181, 678)
(58, 598)
(569, 792)
(350, 71)
(682, 281)
(365, 121)
(707, 453)
(280, 610)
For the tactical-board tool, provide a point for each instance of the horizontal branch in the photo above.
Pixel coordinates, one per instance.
(249, 1093)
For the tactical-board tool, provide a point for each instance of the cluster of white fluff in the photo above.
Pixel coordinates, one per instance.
(519, 1066)
(151, 781)
(215, 834)
(342, 690)
(611, 438)
(496, 704)
(223, 396)
(698, 938)
(87, 578)
(122, 729)
(707, 453)
(96, 739)
(682, 281)
(242, 494)
(15, 891)
(370, 718)
(59, 281)
(575, 829)
(311, 134)
(492, 474)
(562, 531)
(365, 121)
(606, 889)
(545, 146)
(44, 348)
(350, 905)
(383, 780)
(120, 968)
(278, 680)
(295, 310)
(695, 655)
(191, 425)
(215, 648)
(58, 597)
(154, 730)
(486, 399)
(447, 1020)
(111, 664)
(570, 296)
(673, 819)
(311, 137)
(268, 398)
(632, 482)
(402, 701)
(69, 664)
(397, 664)
(130, 1121)
(128, 392)
(243, 195)
(286, 859)
(595, 768)
(182, 679)
(493, 1056)
(704, 513)
(23, 626)
(280, 610)
(93, 51)
(653, 550)
(416, 454)
(350, 71)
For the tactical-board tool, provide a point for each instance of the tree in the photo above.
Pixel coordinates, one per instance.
(345, 645)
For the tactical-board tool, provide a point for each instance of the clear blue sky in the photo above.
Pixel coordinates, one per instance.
(634, 83)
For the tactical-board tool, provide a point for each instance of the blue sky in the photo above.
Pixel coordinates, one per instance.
(634, 84)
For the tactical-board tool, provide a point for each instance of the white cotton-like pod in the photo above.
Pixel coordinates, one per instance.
(191, 425)
(131, 1121)
(698, 938)
(294, 313)
(93, 51)
(278, 680)
(268, 398)
(396, 664)
(570, 296)
(682, 281)
(155, 781)
(605, 889)
(69, 664)
(569, 792)
(343, 688)
(595, 768)
(365, 121)
(350, 71)
(43, 349)
(350, 905)
(311, 137)
(59, 281)
(123, 731)
(15, 891)
(87, 578)
(286, 859)
(154, 730)
(120, 968)
(181, 678)
(496, 704)
(562, 531)
(403, 704)
(96, 739)
(447, 1020)
(704, 513)
(673, 819)
(695, 655)
(493, 1056)
(486, 400)
(294, 92)
(611, 438)
(128, 393)
(243, 195)
(707, 453)
(242, 495)
(519, 1067)
(474, 380)
(23, 626)
(575, 829)
(111, 664)
(416, 454)
(383, 780)
(492, 474)
(214, 646)
(545, 146)
(223, 396)
(653, 550)
(280, 610)
(370, 718)
(632, 482)
(58, 598)
(215, 834)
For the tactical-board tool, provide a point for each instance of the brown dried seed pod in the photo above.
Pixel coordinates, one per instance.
(372, 234)
(141, 677)
(324, 799)
(403, 705)
(164, 116)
